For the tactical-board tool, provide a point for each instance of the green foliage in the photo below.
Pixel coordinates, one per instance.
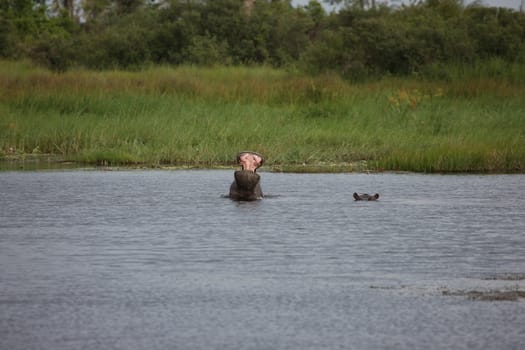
(497, 32)
(5, 29)
(206, 50)
(26, 30)
(366, 41)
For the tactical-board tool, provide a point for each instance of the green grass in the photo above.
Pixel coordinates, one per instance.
(204, 116)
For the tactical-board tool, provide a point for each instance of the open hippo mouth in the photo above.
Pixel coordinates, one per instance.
(246, 184)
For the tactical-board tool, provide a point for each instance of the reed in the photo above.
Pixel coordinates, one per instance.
(204, 116)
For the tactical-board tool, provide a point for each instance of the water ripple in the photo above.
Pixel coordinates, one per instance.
(161, 259)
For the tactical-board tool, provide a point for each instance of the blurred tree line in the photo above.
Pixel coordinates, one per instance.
(357, 41)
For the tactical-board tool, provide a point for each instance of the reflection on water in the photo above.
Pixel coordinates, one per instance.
(161, 260)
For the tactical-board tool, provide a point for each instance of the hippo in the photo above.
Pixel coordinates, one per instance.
(365, 197)
(246, 185)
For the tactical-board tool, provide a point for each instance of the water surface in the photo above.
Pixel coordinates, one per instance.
(162, 260)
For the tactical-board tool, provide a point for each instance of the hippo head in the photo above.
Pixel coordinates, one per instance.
(365, 196)
(246, 184)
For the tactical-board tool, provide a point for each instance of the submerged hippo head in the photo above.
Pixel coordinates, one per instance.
(365, 197)
(246, 185)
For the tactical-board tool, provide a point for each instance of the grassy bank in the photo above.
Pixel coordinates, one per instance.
(467, 121)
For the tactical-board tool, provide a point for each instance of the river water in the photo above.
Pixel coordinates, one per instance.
(163, 260)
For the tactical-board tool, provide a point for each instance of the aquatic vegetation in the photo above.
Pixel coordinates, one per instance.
(203, 116)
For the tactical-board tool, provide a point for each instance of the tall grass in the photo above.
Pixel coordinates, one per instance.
(204, 116)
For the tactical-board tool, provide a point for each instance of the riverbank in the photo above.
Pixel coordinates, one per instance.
(54, 162)
(201, 117)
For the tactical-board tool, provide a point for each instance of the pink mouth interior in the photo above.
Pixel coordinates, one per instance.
(250, 161)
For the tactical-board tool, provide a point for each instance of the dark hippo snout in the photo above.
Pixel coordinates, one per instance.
(246, 184)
